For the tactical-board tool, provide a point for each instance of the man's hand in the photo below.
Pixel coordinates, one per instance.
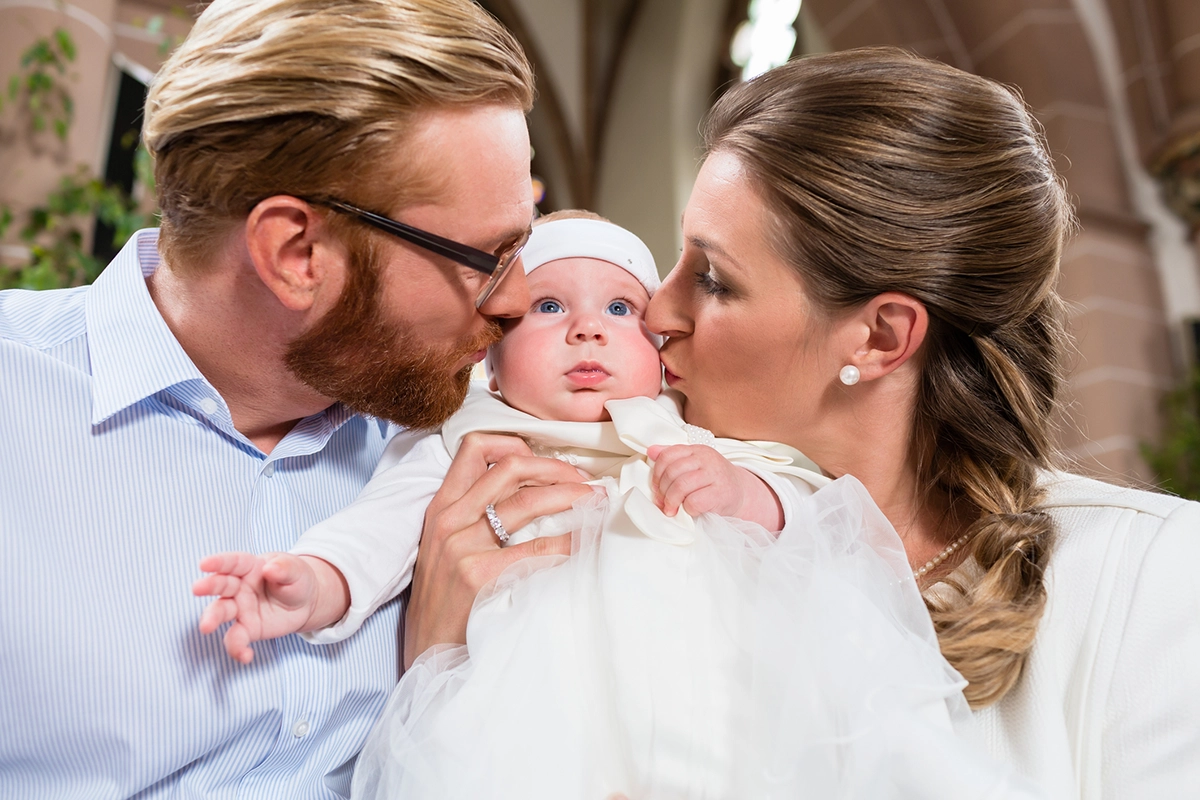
(698, 479)
(268, 596)
(459, 553)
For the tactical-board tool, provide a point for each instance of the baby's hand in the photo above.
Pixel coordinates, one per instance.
(699, 479)
(264, 597)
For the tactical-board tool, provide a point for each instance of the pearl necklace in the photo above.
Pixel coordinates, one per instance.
(942, 556)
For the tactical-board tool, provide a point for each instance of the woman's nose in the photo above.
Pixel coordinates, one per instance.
(666, 315)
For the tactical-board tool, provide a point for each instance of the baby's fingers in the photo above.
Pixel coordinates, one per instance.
(284, 570)
(239, 564)
(237, 643)
(217, 614)
(220, 585)
(686, 491)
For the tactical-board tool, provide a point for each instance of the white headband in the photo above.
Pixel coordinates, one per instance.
(591, 238)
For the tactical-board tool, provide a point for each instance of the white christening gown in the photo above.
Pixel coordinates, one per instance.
(685, 658)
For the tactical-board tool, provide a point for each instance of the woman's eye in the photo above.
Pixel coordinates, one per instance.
(710, 285)
(618, 308)
(549, 307)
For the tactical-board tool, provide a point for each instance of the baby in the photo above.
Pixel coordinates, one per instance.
(582, 344)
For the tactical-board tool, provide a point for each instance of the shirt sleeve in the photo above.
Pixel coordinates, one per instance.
(1151, 737)
(373, 541)
(789, 489)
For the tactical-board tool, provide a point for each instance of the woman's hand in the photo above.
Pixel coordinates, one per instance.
(459, 552)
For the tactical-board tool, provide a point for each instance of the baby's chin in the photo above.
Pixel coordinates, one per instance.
(572, 415)
(581, 409)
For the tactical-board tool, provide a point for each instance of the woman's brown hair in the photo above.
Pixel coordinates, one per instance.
(889, 172)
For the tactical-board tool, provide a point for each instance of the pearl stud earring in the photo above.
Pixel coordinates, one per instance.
(849, 375)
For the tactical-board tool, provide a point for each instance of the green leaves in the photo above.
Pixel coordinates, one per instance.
(54, 231)
(1176, 460)
(66, 45)
(46, 101)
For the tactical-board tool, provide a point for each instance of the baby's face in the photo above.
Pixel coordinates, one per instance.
(583, 342)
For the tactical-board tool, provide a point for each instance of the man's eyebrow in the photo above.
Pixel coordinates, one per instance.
(509, 236)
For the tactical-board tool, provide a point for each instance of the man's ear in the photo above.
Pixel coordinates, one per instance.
(892, 327)
(282, 235)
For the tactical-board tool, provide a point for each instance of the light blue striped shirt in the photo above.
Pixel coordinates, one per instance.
(119, 469)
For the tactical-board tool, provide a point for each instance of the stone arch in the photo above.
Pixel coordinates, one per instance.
(1118, 271)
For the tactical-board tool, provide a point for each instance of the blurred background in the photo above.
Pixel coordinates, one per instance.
(622, 85)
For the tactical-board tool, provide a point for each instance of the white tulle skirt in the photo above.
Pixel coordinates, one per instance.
(739, 666)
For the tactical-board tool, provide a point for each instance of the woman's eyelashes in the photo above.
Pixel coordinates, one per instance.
(709, 284)
(703, 273)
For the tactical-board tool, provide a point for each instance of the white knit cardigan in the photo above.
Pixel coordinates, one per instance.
(1109, 703)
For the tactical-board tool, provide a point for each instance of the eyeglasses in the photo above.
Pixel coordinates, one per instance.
(494, 265)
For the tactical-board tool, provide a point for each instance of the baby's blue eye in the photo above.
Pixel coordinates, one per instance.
(619, 308)
(549, 307)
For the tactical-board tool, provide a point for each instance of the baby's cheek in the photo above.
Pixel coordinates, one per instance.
(646, 370)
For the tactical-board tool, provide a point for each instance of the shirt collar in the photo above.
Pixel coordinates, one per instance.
(133, 353)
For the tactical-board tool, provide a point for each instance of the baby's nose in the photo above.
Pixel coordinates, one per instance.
(588, 328)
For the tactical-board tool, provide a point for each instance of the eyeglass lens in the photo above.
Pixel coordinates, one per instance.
(507, 257)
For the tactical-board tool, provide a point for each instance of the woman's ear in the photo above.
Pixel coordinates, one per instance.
(894, 327)
(283, 236)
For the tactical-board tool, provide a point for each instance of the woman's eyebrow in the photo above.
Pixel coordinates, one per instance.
(707, 246)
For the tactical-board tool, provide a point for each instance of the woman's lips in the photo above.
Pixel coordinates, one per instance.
(587, 374)
(670, 377)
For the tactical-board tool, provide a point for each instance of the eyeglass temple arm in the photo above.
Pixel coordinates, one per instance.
(460, 253)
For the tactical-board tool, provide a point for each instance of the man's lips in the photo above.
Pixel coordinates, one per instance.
(586, 374)
(468, 360)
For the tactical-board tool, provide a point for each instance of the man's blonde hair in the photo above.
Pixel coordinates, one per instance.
(308, 98)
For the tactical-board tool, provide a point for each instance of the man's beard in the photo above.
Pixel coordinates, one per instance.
(377, 367)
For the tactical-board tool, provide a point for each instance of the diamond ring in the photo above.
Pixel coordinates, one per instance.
(497, 525)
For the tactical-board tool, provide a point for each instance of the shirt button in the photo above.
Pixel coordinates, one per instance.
(208, 405)
(269, 469)
(300, 729)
